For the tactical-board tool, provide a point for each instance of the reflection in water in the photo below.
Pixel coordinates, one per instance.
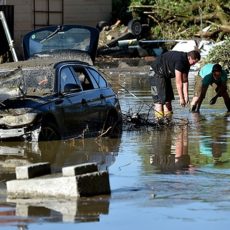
(59, 154)
(74, 210)
(213, 136)
(208, 144)
(171, 146)
(51, 210)
(103, 151)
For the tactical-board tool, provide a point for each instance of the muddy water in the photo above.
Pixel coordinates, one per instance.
(176, 176)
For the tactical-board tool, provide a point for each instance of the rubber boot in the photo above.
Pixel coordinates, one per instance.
(159, 116)
(168, 116)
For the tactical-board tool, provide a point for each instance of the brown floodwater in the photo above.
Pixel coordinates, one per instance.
(177, 175)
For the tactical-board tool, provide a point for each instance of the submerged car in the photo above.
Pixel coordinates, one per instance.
(46, 99)
(57, 93)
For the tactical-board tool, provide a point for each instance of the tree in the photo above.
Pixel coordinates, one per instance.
(220, 54)
(180, 19)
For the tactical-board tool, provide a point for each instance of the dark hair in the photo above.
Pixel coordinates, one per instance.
(216, 68)
(194, 54)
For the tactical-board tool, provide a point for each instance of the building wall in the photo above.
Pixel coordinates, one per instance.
(84, 12)
(87, 12)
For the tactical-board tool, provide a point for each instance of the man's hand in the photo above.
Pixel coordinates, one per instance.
(194, 109)
(182, 102)
(213, 100)
(187, 101)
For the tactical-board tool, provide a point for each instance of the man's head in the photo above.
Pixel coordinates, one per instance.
(193, 57)
(216, 71)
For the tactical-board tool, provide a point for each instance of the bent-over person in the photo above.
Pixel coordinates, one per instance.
(210, 75)
(172, 64)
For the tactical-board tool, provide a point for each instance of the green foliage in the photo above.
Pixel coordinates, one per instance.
(220, 54)
(184, 19)
(143, 2)
(181, 19)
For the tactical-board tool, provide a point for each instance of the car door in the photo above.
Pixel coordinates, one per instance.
(93, 103)
(102, 94)
(70, 105)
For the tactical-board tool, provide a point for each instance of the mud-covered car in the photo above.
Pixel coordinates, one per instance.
(57, 93)
(48, 99)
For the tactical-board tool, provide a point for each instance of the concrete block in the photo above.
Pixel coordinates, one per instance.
(42, 187)
(91, 184)
(71, 185)
(33, 170)
(79, 169)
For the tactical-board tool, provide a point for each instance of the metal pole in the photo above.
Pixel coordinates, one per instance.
(10, 41)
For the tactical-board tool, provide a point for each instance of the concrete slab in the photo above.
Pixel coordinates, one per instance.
(33, 170)
(58, 186)
(79, 169)
(92, 184)
(42, 187)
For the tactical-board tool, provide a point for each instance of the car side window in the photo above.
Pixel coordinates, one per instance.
(66, 78)
(84, 79)
(98, 78)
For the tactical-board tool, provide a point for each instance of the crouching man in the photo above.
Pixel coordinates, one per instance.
(214, 75)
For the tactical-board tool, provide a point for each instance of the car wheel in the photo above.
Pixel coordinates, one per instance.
(49, 133)
(101, 24)
(135, 27)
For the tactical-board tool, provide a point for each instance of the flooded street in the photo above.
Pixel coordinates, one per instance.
(172, 176)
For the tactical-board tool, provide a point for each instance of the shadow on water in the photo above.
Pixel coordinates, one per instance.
(186, 164)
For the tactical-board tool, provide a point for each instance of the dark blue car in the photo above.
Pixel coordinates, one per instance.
(56, 93)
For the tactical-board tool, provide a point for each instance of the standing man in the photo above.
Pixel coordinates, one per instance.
(172, 64)
(214, 75)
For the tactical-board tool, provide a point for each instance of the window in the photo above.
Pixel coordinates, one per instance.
(84, 79)
(66, 77)
(98, 78)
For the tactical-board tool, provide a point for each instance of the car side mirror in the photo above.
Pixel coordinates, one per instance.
(70, 88)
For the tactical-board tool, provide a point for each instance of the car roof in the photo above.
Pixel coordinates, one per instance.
(39, 62)
(61, 38)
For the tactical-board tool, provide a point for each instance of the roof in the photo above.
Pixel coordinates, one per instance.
(46, 61)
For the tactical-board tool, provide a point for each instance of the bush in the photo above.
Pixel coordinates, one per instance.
(220, 54)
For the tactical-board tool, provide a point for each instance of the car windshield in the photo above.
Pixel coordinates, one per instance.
(25, 82)
(59, 39)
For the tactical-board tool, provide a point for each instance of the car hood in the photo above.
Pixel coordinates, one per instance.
(55, 39)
